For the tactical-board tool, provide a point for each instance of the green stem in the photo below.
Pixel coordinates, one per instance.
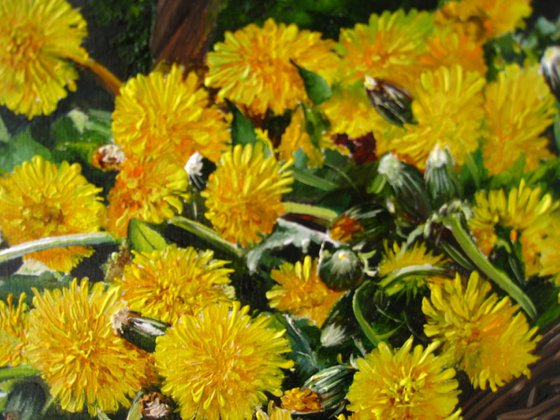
(416, 270)
(313, 180)
(479, 259)
(206, 234)
(17, 372)
(319, 212)
(373, 336)
(93, 238)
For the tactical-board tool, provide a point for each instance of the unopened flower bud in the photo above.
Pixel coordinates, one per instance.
(142, 332)
(341, 270)
(391, 101)
(331, 384)
(550, 68)
(441, 179)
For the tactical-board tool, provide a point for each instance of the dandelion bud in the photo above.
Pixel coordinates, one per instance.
(331, 384)
(108, 157)
(550, 68)
(199, 168)
(341, 270)
(142, 332)
(407, 184)
(441, 179)
(368, 221)
(391, 102)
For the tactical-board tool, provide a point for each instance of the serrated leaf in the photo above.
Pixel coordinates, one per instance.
(20, 149)
(316, 87)
(242, 129)
(144, 238)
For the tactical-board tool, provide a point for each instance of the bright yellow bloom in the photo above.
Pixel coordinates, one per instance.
(296, 137)
(37, 38)
(301, 292)
(244, 194)
(448, 47)
(152, 190)
(449, 114)
(301, 400)
(39, 199)
(273, 413)
(399, 256)
(350, 112)
(345, 227)
(526, 212)
(486, 336)
(254, 66)
(13, 327)
(386, 48)
(170, 283)
(519, 108)
(218, 364)
(485, 19)
(404, 384)
(164, 113)
(549, 252)
(73, 344)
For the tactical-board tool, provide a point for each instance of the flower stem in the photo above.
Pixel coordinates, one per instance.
(92, 238)
(17, 372)
(319, 212)
(207, 234)
(111, 82)
(479, 259)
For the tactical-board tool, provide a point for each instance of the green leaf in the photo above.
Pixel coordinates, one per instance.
(20, 149)
(4, 135)
(242, 129)
(556, 129)
(316, 87)
(144, 238)
(18, 284)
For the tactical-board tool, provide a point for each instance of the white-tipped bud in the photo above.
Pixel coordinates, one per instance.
(550, 68)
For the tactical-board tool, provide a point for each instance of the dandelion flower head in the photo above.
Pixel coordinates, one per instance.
(220, 362)
(448, 110)
(13, 328)
(486, 336)
(40, 199)
(72, 343)
(519, 108)
(165, 113)
(256, 67)
(175, 281)
(301, 292)
(149, 190)
(408, 383)
(38, 39)
(485, 19)
(244, 194)
(386, 48)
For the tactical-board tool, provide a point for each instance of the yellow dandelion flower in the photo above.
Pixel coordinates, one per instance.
(449, 114)
(296, 137)
(244, 194)
(519, 107)
(345, 228)
(301, 400)
(485, 19)
(273, 413)
(152, 190)
(220, 363)
(170, 283)
(38, 38)
(39, 199)
(549, 253)
(525, 211)
(486, 336)
(168, 114)
(73, 344)
(254, 66)
(386, 48)
(409, 383)
(301, 292)
(400, 256)
(448, 47)
(13, 327)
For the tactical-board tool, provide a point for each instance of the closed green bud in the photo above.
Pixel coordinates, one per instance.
(25, 401)
(341, 270)
(331, 384)
(391, 101)
(142, 332)
(441, 178)
(407, 183)
(550, 68)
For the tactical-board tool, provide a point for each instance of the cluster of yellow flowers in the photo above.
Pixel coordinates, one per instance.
(216, 357)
